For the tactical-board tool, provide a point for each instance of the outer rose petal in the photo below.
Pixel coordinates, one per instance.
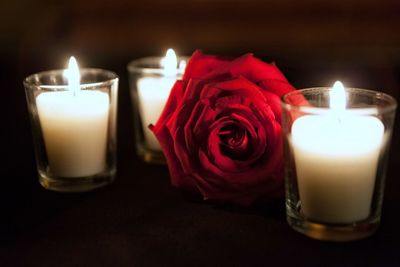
(178, 177)
(254, 69)
(206, 67)
(174, 100)
(276, 87)
(200, 65)
(166, 138)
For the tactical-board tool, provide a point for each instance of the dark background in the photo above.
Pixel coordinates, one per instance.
(140, 220)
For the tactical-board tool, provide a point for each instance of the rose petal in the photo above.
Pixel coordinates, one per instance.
(178, 177)
(200, 65)
(255, 70)
(208, 67)
(277, 87)
(171, 105)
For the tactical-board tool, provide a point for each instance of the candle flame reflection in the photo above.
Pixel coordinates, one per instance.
(337, 97)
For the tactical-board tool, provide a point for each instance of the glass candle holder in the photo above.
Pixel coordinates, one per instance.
(74, 132)
(150, 87)
(335, 161)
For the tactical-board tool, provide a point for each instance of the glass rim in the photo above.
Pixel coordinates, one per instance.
(370, 110)
(151, 65)
(33, 79)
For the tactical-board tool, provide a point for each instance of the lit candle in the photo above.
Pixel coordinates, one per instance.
(74, 125)
(153, 93)
(336, 156)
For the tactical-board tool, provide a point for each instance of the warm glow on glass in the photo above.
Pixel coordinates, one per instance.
(72, 74)
(170, 63)
(182, 65)
(337, 97)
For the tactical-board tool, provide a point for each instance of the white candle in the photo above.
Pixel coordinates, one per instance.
(153, 93)
(336, 157)
(74, 126)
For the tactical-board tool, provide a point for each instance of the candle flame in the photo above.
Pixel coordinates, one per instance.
(170, 63)
(72, 74)
(337, 96)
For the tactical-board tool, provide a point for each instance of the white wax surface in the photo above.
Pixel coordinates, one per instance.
(153, 94)
(336, 163)
(75, 131)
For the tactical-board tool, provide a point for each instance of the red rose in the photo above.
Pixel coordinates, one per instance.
(220, 129)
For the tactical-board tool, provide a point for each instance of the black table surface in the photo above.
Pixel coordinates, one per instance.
(140, 220)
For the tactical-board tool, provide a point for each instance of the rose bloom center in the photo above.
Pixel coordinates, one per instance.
(234, 141)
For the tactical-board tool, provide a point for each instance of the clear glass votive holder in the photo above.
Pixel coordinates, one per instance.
(74, 132)
(335, 161)
(149, 89)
